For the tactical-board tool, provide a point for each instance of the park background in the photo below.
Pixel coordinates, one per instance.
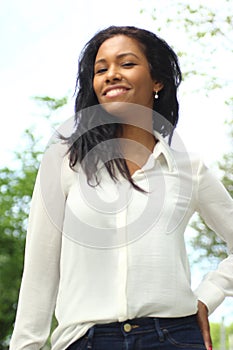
(39, 47)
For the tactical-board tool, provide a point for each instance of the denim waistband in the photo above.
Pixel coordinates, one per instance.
(134, 327)
(148, 321)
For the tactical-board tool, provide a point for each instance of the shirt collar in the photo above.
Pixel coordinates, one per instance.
(163, 149)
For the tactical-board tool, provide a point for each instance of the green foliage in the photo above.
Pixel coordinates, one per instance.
(219, 330)
(16, 185)
(206, 242)
(205, 29)
(215, 330)
(51, 102)
(16, 189)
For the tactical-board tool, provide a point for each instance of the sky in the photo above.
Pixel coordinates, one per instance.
(40, 42)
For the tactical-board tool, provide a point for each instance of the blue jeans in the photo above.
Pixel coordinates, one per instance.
(143, 334)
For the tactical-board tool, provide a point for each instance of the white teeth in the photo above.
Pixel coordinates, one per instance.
(114, 92)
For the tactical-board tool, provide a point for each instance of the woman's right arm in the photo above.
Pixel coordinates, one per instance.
(40, 279)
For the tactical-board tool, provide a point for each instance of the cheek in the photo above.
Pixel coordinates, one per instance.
(95, 86)
(144, 82)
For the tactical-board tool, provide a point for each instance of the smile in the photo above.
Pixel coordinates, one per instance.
(116, 92)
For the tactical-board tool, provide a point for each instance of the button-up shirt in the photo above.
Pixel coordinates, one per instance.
(108, 252)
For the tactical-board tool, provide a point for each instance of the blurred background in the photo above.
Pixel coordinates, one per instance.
(40, 43)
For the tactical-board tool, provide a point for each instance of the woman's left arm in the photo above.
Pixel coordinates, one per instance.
(215, 206)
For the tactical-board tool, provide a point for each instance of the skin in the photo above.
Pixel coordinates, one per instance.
(202, 318)
(120, 62)
(122, 74)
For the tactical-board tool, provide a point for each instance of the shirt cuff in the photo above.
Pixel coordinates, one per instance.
(210, 295)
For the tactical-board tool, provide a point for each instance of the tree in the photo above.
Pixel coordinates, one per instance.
(16, 185)
(202, 35)
(216, 330)
(205, 241)
(206, 31)
(16, 189)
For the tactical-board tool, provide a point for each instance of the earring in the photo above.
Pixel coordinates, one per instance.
(156, 95)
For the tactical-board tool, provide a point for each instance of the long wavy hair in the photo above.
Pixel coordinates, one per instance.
(94, 126)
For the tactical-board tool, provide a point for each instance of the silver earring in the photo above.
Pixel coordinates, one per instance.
(156, 95)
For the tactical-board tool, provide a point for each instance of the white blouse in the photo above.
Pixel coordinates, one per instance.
(111, 253)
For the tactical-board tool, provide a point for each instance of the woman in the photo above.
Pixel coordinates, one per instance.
(105, 245)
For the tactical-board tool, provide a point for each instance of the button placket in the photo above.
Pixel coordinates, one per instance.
(121, 223)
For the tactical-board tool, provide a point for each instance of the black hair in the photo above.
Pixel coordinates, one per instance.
(164, 68)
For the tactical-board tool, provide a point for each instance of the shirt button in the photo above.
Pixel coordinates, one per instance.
(127, 327)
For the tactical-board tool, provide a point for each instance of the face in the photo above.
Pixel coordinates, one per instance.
(122, 74)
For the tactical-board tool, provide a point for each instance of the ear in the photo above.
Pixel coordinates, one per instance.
(157, 86)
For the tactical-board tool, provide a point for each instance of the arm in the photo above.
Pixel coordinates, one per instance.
(202, 318)
(42, 254)
(215, 205)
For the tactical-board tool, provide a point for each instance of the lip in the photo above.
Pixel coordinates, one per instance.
(115, 87)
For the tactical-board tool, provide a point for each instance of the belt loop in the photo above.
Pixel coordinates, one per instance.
(158, 329)
(90, 337)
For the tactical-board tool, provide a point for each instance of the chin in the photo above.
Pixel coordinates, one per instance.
(117, 108)
(127, 111)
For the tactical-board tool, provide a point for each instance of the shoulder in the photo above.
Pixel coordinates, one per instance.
(187, 159)
(54, 168)
(178, 157)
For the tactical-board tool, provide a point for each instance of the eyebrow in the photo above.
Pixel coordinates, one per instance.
(118, 56)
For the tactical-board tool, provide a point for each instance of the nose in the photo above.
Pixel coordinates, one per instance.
(113, 74)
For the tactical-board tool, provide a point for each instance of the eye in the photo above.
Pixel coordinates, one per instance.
(100, 70)
(128, 64)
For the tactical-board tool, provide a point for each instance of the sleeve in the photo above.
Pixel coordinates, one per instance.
(40, 279)
(215, 206)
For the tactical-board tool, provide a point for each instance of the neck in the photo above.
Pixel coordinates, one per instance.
(133, 136)
(137, 144)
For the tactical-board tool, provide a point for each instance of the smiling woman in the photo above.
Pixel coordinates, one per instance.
(105, 245)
